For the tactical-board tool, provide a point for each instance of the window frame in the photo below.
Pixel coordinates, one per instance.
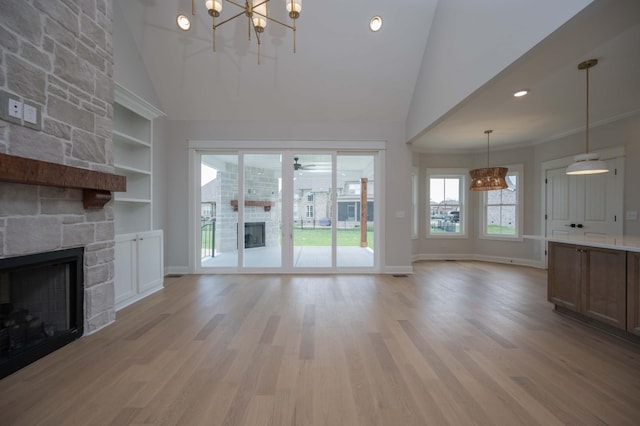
(518, 170)
(449, 173)
(309, 211)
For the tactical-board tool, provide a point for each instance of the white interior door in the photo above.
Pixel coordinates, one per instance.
(588, 205)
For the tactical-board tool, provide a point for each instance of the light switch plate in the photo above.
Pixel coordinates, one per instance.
(631, 215)
(31, 115)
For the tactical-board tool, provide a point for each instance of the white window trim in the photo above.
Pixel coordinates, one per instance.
(483, 235)
(415, 197)
(463, 174)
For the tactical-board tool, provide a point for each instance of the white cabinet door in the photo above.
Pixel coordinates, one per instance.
(150, 261)
(584, 205)
(125, 270)
(139, 266)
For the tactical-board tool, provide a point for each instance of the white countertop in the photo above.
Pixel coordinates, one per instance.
(619, 242)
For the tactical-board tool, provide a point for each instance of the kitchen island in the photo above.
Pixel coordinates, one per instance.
(597, 278)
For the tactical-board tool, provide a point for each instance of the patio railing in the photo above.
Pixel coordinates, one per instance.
(208, 237)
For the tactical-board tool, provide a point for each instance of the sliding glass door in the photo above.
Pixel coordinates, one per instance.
(262, 211)
(312, 210)
(285, 211)
(355, 210)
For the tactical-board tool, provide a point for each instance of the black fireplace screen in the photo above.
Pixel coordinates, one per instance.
(254, 234)
(41, 305)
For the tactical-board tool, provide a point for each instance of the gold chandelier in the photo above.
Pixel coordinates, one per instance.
(488, 178)
(257, 16)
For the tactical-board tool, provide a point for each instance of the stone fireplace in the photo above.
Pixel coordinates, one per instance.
(58, 56)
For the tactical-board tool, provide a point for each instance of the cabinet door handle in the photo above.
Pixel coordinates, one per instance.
(573, 225)
(580, 225)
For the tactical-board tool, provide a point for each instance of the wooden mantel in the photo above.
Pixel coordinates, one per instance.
(265, 204)
(96, 186)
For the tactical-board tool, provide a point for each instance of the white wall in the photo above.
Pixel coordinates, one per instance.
(622, 133)
(455, 65)
(398, 174)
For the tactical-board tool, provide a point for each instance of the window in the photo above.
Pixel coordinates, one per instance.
(414, 203)
(447, 210)
(309, 211)
(310, 196)
(501, 210)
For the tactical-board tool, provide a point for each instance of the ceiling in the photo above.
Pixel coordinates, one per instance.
(343, 72)
(556, 104)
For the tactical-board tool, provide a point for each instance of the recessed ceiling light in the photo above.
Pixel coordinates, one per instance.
(375, 23)
(183, 22)
(520, 93)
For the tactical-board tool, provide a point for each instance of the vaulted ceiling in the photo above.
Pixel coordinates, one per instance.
(343, 72)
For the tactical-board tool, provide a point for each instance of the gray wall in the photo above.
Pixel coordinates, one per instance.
(624, 132)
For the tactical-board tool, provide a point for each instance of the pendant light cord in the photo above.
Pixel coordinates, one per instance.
(488, 132)
(587, 112)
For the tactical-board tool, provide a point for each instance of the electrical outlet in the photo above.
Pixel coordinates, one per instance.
(15, 109)
(10, 107)
(631, 215)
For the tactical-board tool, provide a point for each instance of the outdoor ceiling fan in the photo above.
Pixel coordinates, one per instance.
(310, 167)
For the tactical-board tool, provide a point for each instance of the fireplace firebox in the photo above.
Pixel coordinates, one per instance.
(254, 234)
(41, 305)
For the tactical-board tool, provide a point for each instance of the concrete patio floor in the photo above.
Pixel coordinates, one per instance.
(304, 257)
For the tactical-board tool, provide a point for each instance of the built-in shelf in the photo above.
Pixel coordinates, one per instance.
(139, 267)
(124, 138)
(96, 186)
(266, 204)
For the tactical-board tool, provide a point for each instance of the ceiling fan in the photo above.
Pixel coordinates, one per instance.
(296, 165)
(310, 167)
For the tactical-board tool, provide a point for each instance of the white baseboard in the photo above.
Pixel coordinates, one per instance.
(398, 270)
(178, 270)
(482, 258)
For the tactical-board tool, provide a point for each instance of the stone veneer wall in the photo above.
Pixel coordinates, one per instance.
(260, 185)
(58, 54)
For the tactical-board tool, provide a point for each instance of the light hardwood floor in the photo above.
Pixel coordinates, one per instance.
(456, 343)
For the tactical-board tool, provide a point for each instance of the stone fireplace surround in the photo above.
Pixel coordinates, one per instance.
(58, 55)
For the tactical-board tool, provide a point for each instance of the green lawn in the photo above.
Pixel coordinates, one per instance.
(319, 237)
(501, 230)
(322, 237)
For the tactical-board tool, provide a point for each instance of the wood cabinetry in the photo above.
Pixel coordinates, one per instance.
(633, 293)
(589, 280)
(563, 284)
(139, 266)
(604, 285)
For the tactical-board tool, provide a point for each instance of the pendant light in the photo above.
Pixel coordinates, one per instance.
(587, 163)
(488, 178)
